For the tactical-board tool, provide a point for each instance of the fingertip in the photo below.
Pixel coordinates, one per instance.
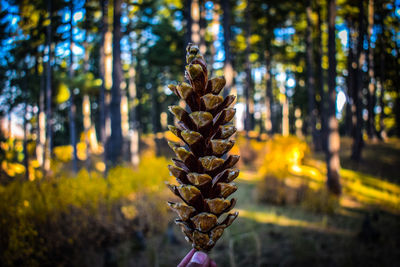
(187, 258)
(199, 259)
(213, 264)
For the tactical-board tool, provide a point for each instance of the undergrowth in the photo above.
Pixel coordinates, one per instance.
(50, 221)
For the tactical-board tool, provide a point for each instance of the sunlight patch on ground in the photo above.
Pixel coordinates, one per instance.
(371, 181)
(248, 176)
(365, 188)
(272, 218)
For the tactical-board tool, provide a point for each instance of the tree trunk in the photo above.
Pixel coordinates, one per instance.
(357, 91)
(102, 107)
(285, 113)
(310, 77)
(215, 24)
(72, 107)
(382, 130)
(228, 68)
(350, 83)
(25, 123)
(203, 26)
(25, 146)
(40, 146)
(195, 29)
(86, 108)
(155, 116)
(134, 124)
(115, 142)
(371, 72)
(10, 134)
(87, 125)
(268, 92)
(49, 122)
(155, 109)
(189, 21)
(333, 146)
(248, 90)
(104, 67)
(321, 83)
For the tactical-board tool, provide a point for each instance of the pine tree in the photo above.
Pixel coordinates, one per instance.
(202, 170)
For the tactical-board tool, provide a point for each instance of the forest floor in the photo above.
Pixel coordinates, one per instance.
(363, 231)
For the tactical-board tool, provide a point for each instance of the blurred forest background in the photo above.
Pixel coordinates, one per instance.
(84, 154)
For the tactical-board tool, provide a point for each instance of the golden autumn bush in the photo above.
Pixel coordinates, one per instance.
(280, 184)
(41, 219)
(277, 186)
(281, 154)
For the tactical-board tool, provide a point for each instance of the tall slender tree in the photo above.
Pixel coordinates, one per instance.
(228, 67)
(333, 145)
(358, 86)
(102, 70)
(187, 9)
(195, 25)
(310, 76)
(41, 144)
(203, 26)
(371, 130)
(248, 90)
(350, 108)
(116, 140)
(72, 107)
(320, 74)
(49, 121)
(268, 91)
(134, 124)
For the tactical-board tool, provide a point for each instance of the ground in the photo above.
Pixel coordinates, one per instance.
(364, 230)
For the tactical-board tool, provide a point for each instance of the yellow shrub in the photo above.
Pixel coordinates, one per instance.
(63, 153)
(281, 154)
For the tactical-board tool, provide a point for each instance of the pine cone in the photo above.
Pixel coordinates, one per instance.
(201, 168)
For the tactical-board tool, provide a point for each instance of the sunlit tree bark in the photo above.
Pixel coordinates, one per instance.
(203, 26)
(25, 126)
(382, 129)
(105, 75)
(41, 140)
(49, 122)
(333, 145)
(87, 124)
(228, 68)
(134, 124)
(89, 129)
(268, 92)
(187, 9)
(195, 25)
(214, 33)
